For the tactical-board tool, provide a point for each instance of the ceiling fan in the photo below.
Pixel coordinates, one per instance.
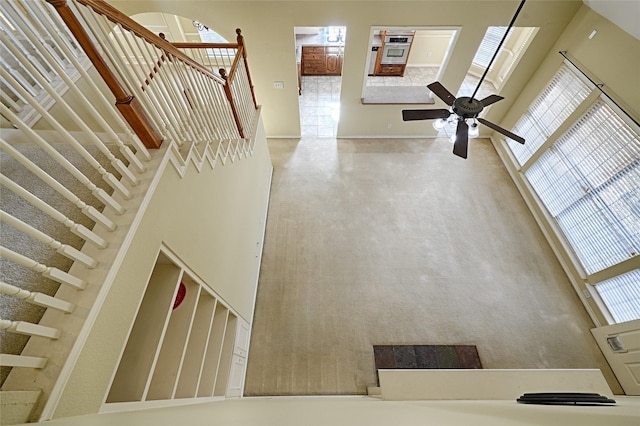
(464, 107)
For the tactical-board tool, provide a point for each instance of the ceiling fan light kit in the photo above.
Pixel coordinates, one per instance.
(464, 108)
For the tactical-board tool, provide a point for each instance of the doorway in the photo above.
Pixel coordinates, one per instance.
(393, 79)
(319, 57)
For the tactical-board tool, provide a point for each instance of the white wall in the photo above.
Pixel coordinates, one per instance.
(360, 411)
(213, 221)
(268, 27)
(429, 47)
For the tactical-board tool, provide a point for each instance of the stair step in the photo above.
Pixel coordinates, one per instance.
(16, 406)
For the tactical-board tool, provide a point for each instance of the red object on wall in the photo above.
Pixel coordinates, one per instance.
(182, 292)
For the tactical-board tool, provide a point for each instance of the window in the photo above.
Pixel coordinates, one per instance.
(503, 64)
(488, 46)
(562, 96)
(588, 179)
(621, 294)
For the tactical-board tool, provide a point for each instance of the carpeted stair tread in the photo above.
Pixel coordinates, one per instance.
(11, 273)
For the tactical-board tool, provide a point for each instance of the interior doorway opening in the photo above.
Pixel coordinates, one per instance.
(319, 58)
(403, 60)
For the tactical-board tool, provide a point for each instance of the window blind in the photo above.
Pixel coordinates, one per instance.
(589, 181)
(488, 46)
(564, 93)
(621, 294)
(518, 50)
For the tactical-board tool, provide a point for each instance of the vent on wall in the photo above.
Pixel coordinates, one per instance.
(615, 344)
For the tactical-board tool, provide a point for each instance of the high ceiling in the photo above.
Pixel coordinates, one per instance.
(623, 13)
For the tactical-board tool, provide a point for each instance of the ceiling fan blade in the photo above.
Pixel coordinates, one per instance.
(462, 139)
(441, 92)
(424, 114)
(499, 129)
(491, 99)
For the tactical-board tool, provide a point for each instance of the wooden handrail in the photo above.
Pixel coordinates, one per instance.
(199, 45)
(126, 103)
(228, 76)
(242, 52)
(114, 15)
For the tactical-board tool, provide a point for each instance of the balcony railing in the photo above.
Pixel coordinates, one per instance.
(78, 156)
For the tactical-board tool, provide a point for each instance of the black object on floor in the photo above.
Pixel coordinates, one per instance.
(564, 398)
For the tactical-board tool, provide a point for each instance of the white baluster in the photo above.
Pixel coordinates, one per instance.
(90, 211)
(199, 90)
(37, 298)
(4, 96)
(133, 70)
(29, 329)
(20, 77)
(88, 133)
(37, 61)
(9, 360)
(99, 193)
(50, 272)
(79, 230)
(108, 177)
(148, 96)
(217, 105)
(196, 111)
(63, 249)
(165, 79)
(54, 25)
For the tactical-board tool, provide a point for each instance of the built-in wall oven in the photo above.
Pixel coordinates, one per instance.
(396, 49)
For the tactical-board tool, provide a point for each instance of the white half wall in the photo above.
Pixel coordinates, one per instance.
(214, 221)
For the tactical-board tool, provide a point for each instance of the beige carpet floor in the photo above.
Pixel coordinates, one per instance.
(393, 242)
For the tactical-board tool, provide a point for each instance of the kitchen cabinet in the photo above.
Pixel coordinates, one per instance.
(321, 60)
(391, 70)
(393, 53)
(333, 55)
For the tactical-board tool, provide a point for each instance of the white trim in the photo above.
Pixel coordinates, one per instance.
(118, 407)
(69, 364)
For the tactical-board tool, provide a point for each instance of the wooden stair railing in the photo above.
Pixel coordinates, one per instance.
(228, 76)
(127, 104)
(242, 51)
(130, 108)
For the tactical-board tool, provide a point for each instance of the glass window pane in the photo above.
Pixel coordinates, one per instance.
(589, 182)
(488, 46)
(562, 96)
(621, 294)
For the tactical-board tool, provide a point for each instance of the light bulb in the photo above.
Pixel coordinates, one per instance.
(474, 130)
(439, 124)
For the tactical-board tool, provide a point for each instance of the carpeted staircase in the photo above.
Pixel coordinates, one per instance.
(19, 276)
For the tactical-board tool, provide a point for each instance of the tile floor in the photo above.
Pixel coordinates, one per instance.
(320, 105)
(320, 98)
